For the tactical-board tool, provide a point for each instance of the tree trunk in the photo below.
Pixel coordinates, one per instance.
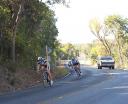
(13, 45)
(104, 43)
(108, 47)
(121, 62)
(1, 48)
(14, 32)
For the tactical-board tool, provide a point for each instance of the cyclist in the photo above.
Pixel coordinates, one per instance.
(44, 65)
(76, 63)
(70, 66)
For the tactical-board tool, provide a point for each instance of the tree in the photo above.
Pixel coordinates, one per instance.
(118, 26)
(100, 32)
(4, 21)
(21, 20)
(52, 2)
(27, 26)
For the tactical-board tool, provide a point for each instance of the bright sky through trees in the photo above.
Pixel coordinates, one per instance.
(73, 22)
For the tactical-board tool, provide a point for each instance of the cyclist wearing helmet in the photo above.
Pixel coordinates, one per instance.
(70, 66)
(75, 62)
(44, 65)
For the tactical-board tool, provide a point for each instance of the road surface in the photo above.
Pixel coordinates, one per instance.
(103, 86)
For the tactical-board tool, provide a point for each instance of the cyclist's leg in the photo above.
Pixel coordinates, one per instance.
(80, 70)
(49, 75)
(78, 67)
(75, 67)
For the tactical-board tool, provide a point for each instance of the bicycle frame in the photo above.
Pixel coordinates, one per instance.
(46, 80)
(76, 68)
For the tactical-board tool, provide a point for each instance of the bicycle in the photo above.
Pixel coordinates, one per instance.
(46, 80)
(76, 68)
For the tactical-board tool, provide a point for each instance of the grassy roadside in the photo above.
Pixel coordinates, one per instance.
(25, 78)
(59, 72)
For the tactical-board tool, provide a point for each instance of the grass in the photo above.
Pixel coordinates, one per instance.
(59, 72)
(23, 78)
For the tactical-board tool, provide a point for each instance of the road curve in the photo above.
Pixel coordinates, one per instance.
(96, 87)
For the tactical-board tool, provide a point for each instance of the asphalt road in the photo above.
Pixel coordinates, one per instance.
(95, 87)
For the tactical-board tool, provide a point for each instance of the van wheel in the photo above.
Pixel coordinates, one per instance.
(99, 67)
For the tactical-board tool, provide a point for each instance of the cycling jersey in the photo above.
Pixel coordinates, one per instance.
(41, 61)
(75, 62)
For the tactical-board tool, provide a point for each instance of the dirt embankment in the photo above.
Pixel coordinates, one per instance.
(24, 78)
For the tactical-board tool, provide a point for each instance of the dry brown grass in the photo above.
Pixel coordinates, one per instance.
(24, 78)
(60, 71)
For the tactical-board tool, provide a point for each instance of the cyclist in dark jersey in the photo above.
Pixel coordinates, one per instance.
(76, 63)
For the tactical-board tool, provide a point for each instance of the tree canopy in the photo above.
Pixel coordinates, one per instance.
(114, 26)
(26, 27)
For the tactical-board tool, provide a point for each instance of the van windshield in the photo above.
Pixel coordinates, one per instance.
(106, 58)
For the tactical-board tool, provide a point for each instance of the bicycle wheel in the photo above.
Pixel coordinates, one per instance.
(77, 72)
(46, 80)
(45, 77)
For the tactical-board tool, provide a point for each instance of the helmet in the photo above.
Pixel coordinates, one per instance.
(45, 61)
(73, 59)
(41, 60)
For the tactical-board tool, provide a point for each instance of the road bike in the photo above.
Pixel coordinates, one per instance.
(76, 68)
(46, 81)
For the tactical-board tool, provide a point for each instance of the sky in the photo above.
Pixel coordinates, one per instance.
(73, 22)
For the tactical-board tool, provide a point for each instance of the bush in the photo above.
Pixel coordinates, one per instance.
(11, 67)
(60, 71)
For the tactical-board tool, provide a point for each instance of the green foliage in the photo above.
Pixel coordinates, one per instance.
(97, 49)
(114, 26)
(118, 26)
(67, 51)
(95, 27)
(60, 72)
(36, 29)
